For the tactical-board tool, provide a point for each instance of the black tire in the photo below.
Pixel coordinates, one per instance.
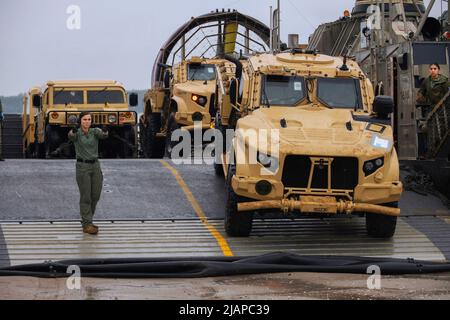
(223, 130)
(29, 151)
(109, 148)
(381, 226)
(152, 147)
(171, 128)
(218, 169)
(237, 224)
(40, 150)
(125, 150)
(68, 152)
(52, 141)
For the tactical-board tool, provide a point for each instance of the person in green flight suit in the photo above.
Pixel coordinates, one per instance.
(89, 175)
(431, 92)
(1, 131)
(433, 88)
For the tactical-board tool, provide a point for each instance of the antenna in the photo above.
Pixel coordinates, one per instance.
(344, 67)
(275, 28)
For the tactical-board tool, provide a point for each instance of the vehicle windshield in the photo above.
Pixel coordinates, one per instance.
(105, 96)
(63, 96)
(282, 90)
(201, 72)
(339, 93)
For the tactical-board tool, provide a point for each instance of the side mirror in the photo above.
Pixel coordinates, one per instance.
(383, 106)
(37, 101)
(167, 78)
(133, 99)
(234, 84)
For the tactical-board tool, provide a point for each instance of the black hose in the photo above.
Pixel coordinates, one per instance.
(224, 266)
(238, 64)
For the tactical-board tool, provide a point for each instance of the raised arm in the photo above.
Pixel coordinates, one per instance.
(73, 134)
(102, 133)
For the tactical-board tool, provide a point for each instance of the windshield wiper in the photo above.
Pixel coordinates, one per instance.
(58, 93)
(100, 92)
(95, 95)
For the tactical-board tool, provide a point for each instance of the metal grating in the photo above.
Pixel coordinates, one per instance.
(38, 242)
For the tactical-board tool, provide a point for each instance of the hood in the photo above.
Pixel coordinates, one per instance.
(320, 131)
(196, 87)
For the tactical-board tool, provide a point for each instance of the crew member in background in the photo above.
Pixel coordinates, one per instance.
(89, 175)
(433, 88)
(431, 92)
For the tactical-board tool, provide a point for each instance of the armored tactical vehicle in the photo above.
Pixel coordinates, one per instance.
(187, 101)
(49, 112)
(324, 143)
(190, 71)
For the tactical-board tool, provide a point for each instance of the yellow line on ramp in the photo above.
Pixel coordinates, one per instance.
(198, 210)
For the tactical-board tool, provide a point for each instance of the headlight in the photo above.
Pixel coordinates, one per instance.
(267, 161)
(72, 119)
(372, 166)
(201, 100)
(112, 118)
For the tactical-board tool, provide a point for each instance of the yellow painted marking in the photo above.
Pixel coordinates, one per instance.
(198, 210)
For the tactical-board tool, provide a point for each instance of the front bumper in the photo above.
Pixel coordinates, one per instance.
(99, 117)
(186, 120)
(365, 198)
(318, 205)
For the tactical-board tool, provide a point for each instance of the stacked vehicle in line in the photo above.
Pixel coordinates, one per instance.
(49, 112)
(328, 146)
(189, 72)
(187, 100)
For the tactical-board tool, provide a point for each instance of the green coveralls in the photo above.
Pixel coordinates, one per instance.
(431, 93)
(433, 90)
(89, 175)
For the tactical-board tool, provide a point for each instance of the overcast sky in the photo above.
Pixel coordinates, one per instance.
(120, 39)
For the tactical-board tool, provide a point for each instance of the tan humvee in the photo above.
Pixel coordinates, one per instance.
(51, 111)
(188, 97)
(329, 143)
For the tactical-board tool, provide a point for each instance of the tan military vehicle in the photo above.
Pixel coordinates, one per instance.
(329, 142)
(187, 98)
(49, 112)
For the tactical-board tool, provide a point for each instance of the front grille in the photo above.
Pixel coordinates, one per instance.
(344, 173)
(297, 169)
(99, 119)
(296, 172)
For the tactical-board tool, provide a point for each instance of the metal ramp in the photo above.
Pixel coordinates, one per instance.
(37, 242)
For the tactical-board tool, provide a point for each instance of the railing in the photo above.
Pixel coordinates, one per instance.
(438, 130)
